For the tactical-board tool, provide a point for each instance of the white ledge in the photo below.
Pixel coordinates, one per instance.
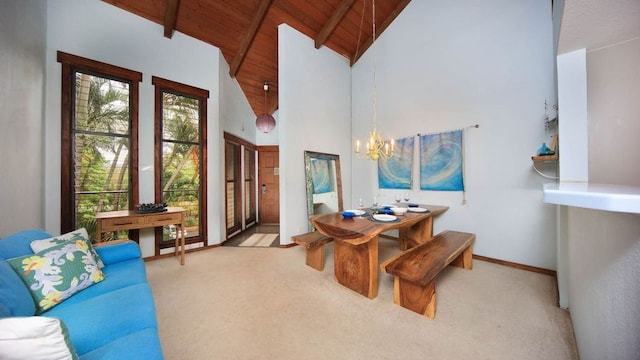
(594, 196)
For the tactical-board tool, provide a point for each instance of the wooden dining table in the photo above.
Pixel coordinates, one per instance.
(356, 243)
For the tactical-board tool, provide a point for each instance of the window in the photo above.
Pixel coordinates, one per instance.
(180, 153)
(99, 141)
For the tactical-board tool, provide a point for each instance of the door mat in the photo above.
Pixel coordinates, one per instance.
(260, 240)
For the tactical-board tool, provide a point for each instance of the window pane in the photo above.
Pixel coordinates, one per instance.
(181, 117)
(101, 164)
(101, 105)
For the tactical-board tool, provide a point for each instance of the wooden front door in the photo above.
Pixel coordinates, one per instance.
(268, 185)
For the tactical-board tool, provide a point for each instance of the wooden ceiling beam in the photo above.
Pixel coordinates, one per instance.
(248, 36)
(333, 22)
(382, 27)
(171, 17)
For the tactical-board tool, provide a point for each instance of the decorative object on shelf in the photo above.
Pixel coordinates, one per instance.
(544, 150)
(376, 147)
(265, 122)
(547, 155)
(151, 208)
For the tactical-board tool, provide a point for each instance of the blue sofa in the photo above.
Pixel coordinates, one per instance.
(112, 319)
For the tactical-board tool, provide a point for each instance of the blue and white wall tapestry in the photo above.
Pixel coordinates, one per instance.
(441, 157)
(395, 172)
(320, 176)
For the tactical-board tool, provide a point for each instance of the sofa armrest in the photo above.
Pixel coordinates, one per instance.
(116, 251)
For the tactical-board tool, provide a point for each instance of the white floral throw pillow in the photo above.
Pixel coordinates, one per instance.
(77, 235)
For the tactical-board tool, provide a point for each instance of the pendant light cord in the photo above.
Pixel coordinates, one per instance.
(375, 87)
(364, 7)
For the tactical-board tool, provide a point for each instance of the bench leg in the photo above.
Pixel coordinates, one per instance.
(416, 298)
(465, 259)
(315, 258)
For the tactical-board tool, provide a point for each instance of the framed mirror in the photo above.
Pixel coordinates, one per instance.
(324, 183)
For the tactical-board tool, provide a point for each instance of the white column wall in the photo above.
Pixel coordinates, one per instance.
(22, 70)
(572, 115)
(315, 113)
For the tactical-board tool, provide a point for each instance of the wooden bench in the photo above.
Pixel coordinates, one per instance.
(415, 270)
(313, 242)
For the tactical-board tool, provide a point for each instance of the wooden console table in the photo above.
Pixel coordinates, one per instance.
(130, 220)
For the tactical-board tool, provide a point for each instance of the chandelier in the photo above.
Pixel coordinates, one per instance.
(376, 147)
(265, 122)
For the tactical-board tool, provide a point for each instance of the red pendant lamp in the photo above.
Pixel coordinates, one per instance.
(265, 122)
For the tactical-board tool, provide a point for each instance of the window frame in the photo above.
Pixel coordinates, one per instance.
(160, 86)
(70, 65)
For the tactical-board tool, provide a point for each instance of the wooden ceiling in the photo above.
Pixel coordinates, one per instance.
(246, 31)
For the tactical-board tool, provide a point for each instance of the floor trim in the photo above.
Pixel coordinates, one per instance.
(516, 265)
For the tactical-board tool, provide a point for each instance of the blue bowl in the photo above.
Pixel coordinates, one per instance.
(412, 205)
(348, 214)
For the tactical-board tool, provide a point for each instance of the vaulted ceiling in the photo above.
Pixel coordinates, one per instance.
(246, 31)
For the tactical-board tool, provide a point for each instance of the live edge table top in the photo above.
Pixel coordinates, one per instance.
(359, 230)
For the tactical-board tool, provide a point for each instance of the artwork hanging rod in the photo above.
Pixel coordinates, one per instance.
(466, 127)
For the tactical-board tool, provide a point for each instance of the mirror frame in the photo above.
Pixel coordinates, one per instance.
(308, 155)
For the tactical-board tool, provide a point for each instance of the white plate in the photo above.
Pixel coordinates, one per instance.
(384, 217)
(417, 209)
(357, 212)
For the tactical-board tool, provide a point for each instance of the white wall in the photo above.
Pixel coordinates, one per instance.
(604, 291)
(315, 110)
(444, 65)
(22, 70)
(102, 32)
(614, 114)
(236, 115)
(603, 248)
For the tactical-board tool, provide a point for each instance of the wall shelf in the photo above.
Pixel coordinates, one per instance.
(554, 157)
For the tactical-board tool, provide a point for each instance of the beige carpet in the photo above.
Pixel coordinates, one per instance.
(265, 303)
